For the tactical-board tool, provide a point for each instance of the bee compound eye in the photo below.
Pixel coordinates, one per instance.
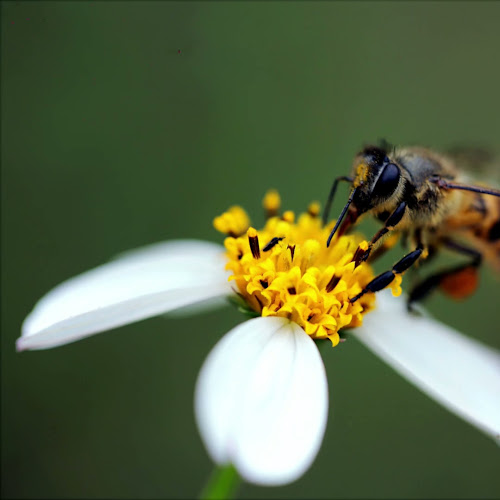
(387, 182)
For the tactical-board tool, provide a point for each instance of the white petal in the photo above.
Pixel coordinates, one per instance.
(139, 284)
(262, 401)
(460, 373)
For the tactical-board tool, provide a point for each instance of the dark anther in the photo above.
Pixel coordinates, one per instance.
(254, 246)
(360, 255)
(264, 284)
(272, 243)
(292, 250)
(332, 283)
(292, 291)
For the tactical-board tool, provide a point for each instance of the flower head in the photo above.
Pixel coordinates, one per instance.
(261, 398)
(286, 270)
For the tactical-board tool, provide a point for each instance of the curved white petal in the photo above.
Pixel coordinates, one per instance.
(137, 285)
(460, 373)
(261, 401)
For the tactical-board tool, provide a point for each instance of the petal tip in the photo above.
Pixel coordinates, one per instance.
(20, 345)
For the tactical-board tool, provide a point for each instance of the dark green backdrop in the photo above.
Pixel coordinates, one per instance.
(128, 123)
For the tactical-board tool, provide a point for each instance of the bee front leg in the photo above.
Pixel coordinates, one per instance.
(385, 279)
(390, 224)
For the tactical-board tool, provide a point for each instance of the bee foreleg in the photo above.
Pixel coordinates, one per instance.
(385, 279)
(333, 189)
(458, 282)
(388, 244)
(390, 224)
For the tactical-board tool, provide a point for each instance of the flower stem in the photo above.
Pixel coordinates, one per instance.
(222, 484)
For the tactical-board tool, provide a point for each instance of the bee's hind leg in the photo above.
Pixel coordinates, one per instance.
(458, 282)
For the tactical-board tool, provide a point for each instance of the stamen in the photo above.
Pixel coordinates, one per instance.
(332, 283)
(313, 209)
(234, 222)
(253, 240)
(292, 290)
(271, 203)
(292, 250)
(359, 254)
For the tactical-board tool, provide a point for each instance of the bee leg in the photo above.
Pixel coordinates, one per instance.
(393, 220)
(333, 189)
(458, 282)
(381, 250)
(385, 279)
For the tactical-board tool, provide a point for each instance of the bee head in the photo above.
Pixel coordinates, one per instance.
(376, 179)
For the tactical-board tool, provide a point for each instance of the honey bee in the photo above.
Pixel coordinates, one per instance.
(426, 199)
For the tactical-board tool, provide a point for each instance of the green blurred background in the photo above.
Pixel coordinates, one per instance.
(128, 123)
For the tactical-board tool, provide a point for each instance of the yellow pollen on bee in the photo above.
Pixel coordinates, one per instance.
(285, 269)
(361, 174)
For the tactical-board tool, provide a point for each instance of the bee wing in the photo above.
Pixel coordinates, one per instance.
(478, 162)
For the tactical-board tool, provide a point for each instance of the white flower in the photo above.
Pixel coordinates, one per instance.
(261, 397)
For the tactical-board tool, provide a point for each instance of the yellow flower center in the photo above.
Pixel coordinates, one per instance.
(286, 269)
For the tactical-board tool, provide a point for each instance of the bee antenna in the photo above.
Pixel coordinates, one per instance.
(454, 185)
(342, 215)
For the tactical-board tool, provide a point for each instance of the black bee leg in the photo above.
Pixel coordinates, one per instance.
(393, 220)
(328, 204)
(458, 282)
(380, 251)
(385, 279)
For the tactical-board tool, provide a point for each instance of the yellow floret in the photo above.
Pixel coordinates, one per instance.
(272, 202)
(234, 222)
(286, 270)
